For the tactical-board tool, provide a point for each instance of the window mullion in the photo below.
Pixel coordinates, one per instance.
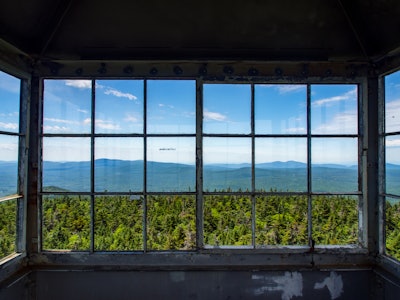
(199, 166)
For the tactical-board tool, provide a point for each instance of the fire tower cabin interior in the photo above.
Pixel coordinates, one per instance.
(200, 149)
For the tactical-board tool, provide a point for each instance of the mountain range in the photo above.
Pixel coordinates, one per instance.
(124, 176)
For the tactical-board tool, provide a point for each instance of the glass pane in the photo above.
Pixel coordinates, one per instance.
(118, 223)
(334, 164)
(9, 102)
(119, 106)
(335, 220)
(8, 227)
(227, 108)
(334, 109)
(119, 164)
(67, 106)
(227, 220)
(281, 164)
(392, 151)
(281, 220)
(171, 222)
(392, 102)
(8, 165)
(66, 164)
(280, 109)
(66, 222)
(171, 164)
(227, 164)
(171, 106)
(393, 227)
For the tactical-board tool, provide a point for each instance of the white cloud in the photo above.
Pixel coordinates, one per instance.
(213, 116)
(63, 121)
(393, 143)
(131, 118)
(55, 128)
(116, 93)
(165, 105)
(295, 130)
(87, 121)
(9, 126)
(8, 147)
(290, 88)
(345, 123)
(106, 125)
(350, 95)
(82, 111)
(80, 84)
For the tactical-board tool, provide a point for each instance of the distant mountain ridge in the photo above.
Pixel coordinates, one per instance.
(114, 175)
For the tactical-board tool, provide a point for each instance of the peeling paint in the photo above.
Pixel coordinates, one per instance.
(334, 283)
(290, 284)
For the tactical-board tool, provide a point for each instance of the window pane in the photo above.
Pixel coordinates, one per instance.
(334, 164)
(171, 222)
(9, 102)
(171, 106)
(171, 164)
(8, 227)
(66, 164)
(392, 147)
(8, 165)
(118, 223)
(67, 106)
(227, 108)
(392, 102)
(335, 220)
(119, 106)
(66, 222)
(227, 164)
(281, 164)
(334, 109)
(118, 164)
(281, 220)
(280, 109)
(393, 227)
(227, 220)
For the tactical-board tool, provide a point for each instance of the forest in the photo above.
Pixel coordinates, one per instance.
(170, 222)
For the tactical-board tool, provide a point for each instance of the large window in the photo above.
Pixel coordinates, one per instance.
(153, 165)
(9, 154)
(391, 140)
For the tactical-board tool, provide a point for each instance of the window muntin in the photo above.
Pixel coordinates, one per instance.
(66, 222)
(334, 110)
(234, 144)
(280, 109)
(118, 164)
(341, 173)
(119, 106)
(10, 138)
(391, 141)
(281, 164)
(67, 106)
(226, 108)
(171, 106)
(66, 164)
(171, 164)
(227, 164)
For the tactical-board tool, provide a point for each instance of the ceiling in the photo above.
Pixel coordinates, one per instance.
(308, 30)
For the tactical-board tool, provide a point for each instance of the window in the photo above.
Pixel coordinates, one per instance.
(9, 158)
(391, 141)
(155, 165)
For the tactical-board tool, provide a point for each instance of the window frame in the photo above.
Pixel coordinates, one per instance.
(199, 135)
(21, 194)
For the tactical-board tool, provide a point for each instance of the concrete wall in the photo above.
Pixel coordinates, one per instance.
(285, 285)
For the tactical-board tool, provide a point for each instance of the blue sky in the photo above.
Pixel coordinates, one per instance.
(171, 104)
